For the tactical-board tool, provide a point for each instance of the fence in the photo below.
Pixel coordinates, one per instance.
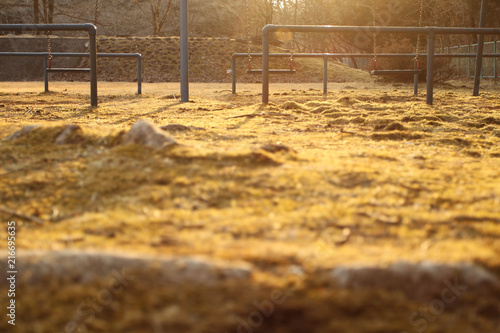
(464, 67)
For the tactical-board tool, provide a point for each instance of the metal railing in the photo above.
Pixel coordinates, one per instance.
(326, 56)
(87, 27)
(431, 32)
(46, 69)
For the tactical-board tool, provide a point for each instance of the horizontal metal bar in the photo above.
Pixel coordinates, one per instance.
(271, 71)
(58, 54)
(365, 55)
(379, 29)
(49, 27)
(68, 69)
(396, 71)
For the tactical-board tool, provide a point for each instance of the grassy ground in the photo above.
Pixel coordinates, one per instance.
(367, 176)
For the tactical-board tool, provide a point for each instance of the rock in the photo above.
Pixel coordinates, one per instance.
(69, 135)
(22, 132)
(423, 280)
(147, 134)
(85, 266)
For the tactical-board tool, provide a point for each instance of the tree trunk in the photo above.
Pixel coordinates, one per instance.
(51, 11)
(36, 12)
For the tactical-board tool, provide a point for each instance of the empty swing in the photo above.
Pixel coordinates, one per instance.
(416, 68)
(250, 70)
(49, 67)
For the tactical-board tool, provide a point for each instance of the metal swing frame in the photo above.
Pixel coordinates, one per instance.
(431, 33)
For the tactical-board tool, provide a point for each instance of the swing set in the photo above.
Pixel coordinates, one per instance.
(250, 70)
(49, 68)
(416, 68)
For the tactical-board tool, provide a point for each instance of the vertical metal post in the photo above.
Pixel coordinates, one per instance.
(93, 67)
(495, 59)
(415, 76)
(325, 75)
(480, 46)
(184, 52)
(45, 73)
(233, 74)
(139, 74)
(415, 84)
(430, 67)
(265, 66)
(468, 61)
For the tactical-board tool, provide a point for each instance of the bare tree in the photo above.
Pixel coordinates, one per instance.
(36, 12)
(158, 15)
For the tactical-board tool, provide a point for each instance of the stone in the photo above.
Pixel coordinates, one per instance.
(69, 135)
(85, 266)
(22, 132)
(421, 280)
(146, 134)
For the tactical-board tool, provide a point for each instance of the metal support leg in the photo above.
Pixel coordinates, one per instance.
(45, 73)
(480, 47)
(325, 75)
(233, 74)
(93, 68)
(430, 68)
(265, 67)
(184, 52)
(139, 74)
(415, 76)
(495, 60)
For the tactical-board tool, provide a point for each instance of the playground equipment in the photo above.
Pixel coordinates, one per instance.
(416, 70)
(431, 33)
(184, 52)
(249, 54)
(88, 27)
(45, 55)
(49, 48)
(480, 46)
(326, 56)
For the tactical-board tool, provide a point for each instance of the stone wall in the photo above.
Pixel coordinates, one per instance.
(209, 60)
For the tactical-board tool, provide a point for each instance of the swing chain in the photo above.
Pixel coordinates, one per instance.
(96, 13)
(247, 20)
(375, 65)
(293, 41)
(47, 33)
(418, 36)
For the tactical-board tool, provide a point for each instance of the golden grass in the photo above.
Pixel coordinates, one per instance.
(367, 175)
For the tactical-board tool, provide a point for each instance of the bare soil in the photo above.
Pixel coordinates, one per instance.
(351, 212)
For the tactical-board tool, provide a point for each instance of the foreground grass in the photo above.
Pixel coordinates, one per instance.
(363, 176)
